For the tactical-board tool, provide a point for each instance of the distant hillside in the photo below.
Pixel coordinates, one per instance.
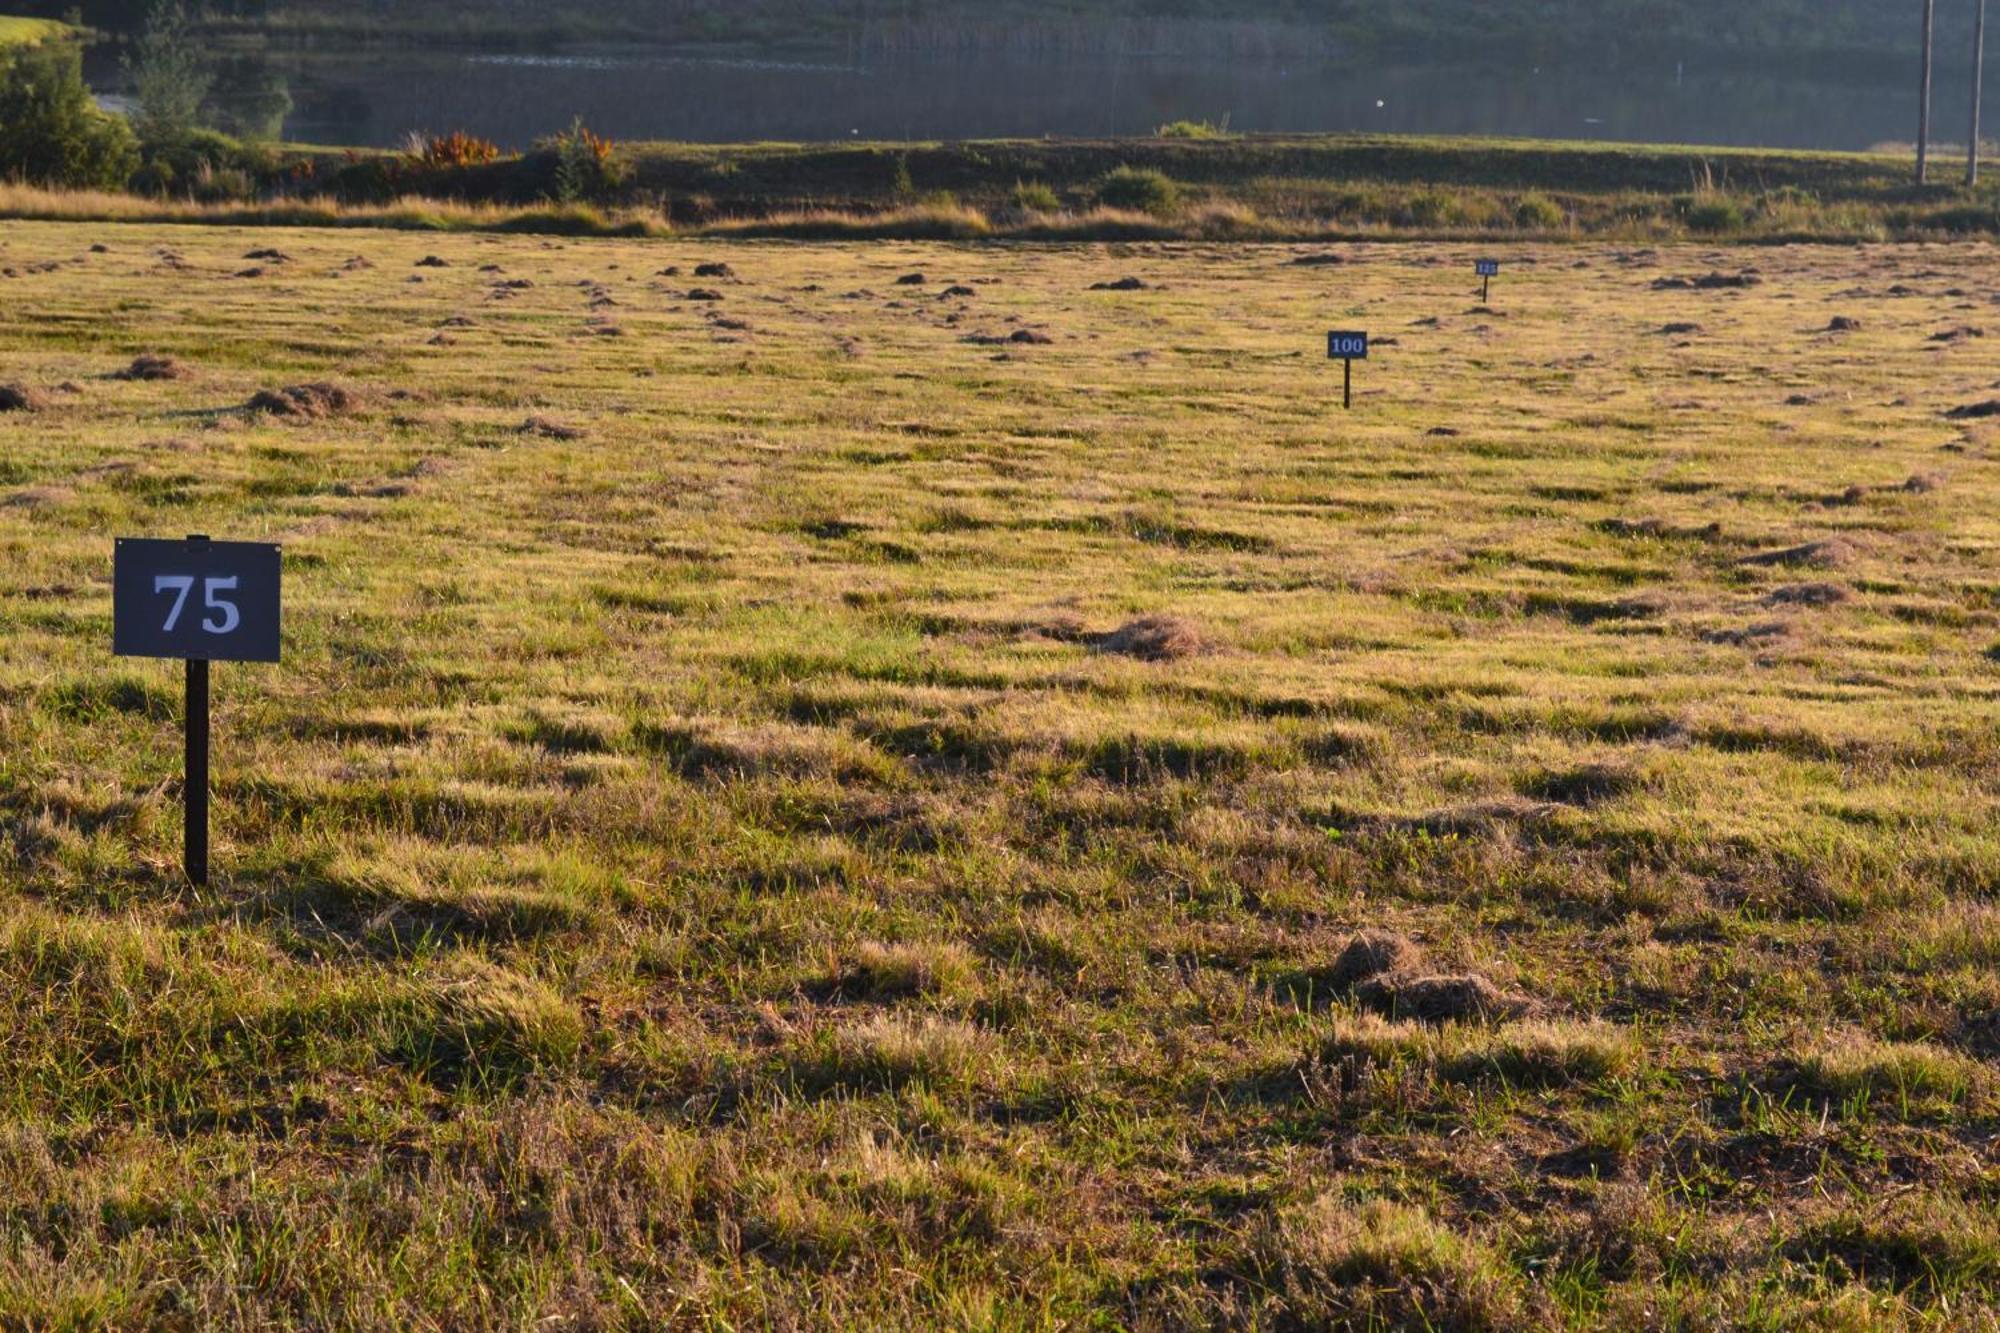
(1850, 31)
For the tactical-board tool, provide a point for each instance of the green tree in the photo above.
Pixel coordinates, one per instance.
(51, 132)
(168, 73)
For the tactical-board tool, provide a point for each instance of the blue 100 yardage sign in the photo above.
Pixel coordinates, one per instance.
(1347, 346)
(199, 601)
(1486, 268)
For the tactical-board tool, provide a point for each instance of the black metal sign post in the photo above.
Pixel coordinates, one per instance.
(1347, 348)
(202, 602)
(1487, 269)
(194, 840)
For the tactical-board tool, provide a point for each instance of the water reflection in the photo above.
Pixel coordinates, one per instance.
(932, 92)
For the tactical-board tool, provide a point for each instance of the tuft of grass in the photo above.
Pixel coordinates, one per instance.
(478, 1022)
(891, 1051)
(1545, 1054)
(1855, 1072)
(894, 971)
(1330, 1262)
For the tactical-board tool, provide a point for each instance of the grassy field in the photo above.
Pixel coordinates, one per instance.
(802, 797)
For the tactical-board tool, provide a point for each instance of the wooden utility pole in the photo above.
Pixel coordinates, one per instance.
(1978, 79)
(1924, 109)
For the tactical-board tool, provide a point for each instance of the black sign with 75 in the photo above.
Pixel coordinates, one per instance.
(196, 600)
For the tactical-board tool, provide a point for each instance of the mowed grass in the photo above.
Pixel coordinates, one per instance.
(709, 857)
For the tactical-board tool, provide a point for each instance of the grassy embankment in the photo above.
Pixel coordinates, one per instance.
(1263, 187)
(710, 858)
(16, 32)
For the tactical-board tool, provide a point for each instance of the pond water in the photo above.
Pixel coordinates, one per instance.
(377, 97)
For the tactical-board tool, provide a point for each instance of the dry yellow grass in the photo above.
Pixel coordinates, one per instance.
(699, 862)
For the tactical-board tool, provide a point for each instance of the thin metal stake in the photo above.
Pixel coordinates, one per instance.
(1347, 393)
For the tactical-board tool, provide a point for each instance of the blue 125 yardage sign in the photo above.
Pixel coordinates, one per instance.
(197, 601)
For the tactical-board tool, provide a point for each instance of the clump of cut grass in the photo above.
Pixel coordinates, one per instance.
(1371, 954)
(21, 398)
(1463, 998)
(148, 366)
(1159, 638)
(1379, 1264)
(304, 402)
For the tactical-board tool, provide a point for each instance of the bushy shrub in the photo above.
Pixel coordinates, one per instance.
(221, 185)
(580, 165)
(454, 150)
(1428, 208)
(1035, 197)
(204, 164)
(1538, 212)
(367, 180)
(1714, 214)
(169, 76)
(51, 132)
(248, 99)
(1140, 191)
(1194, 129)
